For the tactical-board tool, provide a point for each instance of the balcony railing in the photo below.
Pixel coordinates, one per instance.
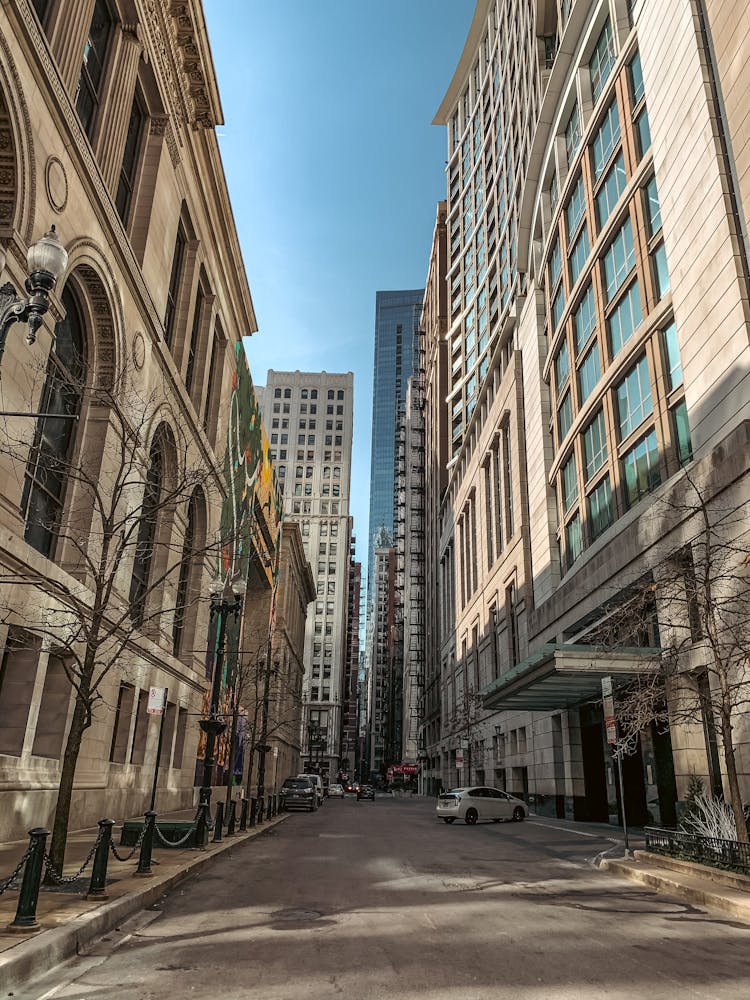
(728, 854)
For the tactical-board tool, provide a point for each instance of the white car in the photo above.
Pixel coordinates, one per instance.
(482, 802)
(335, 791)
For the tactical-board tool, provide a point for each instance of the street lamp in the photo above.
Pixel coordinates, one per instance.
(46, 261)
(226, 600)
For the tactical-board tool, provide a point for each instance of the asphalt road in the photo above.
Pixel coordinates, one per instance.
(381, 901)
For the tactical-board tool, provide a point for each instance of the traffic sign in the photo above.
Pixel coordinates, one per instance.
(157, 698)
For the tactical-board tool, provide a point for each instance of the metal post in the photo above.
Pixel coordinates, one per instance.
(243, 815)
(218, 822)
(98, 883)
(201, 827)
(622, 805)
(147, 844)
(232, 819)
(211, 726)
(253, 811)
(25, 919)
(158, 749)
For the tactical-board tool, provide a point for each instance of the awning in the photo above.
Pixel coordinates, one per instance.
(560, 676)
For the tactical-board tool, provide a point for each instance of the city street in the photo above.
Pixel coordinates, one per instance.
(375, 900)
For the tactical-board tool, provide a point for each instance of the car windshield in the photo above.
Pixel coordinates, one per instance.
(455, 791)
(296, 783)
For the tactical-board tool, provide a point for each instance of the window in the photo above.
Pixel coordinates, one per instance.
(128, 168)
(643, 129)
(277, 393)
(625, 318)
(579, 255)
(589, 372)
(194, 338)
(565, 415)
(595, 445)
(573, 540)
(602, 60)
(178, 625)
(340, 394)
(146, 533)
(573, 134)
(652, 207)
(569, 483)
(18, 670)
(174, 285)
(606, 139)
(600, 508)
(287, 393)
(634, 401)
(611, 189)
(619, 260)
(636, 79)
(118, 749)
(562, 367)
(555, 263)
(584, 319)
(661, 271)
(558, 307)
(674, 365)
(576, 207)
(641, 469)
(46, 476)
(681, 431)
(92, 71)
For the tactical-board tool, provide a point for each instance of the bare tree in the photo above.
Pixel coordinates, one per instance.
(121, 571)
(464, 721)
(699, 593)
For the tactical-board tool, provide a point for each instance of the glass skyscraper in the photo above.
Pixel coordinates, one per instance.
(397, 316)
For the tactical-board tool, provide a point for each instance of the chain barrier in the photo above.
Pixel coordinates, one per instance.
(9, 881)
(138, 842)
(175, 843)
(59, 879)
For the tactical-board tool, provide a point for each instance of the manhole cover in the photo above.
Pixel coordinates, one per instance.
(297, 916)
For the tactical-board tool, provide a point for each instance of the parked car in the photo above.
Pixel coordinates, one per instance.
(473, 804)
(366, 792)
(299, 793)
(335, 791)
(317, 782)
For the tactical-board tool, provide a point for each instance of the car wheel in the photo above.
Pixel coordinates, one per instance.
(449, 819)
(518, 814)
(496, 821)
(471, 817)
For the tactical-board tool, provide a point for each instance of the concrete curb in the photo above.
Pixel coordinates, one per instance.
(34, 956)
(697, 889)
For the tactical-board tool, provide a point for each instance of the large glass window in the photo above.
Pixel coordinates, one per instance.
(612, 187)
(602, 60)
(625, 318)
(47, 469)
(565, 415)
(569, 483)
(139, 581)
(576, 207)
(174, 287)
(573, 540)
(681, 427)
(126, 184)
(562, 367)
(555, 263)
(619, 260)
(606, 139)
(600, 508)
(636, 78)
(589, 372)
(584, 319)
(661, 271)
(92, 70)
(573, 134)
(558, 307)
(634, 402)
(643, 130)
(652, 207)
(674, 365)
(595, 445)
(579, 255)
(641, 469)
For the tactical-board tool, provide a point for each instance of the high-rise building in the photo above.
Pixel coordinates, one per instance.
(350, 694)
(308, 416)
(381, 698)
(599, 363)
(396, 325)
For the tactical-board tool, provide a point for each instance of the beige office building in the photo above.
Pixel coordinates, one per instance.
(599, 353)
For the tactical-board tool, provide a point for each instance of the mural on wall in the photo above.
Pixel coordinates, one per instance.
(250, 524)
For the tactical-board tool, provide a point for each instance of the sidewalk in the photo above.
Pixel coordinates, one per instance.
(68, 921)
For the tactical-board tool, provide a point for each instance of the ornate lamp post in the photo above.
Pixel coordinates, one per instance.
(225, 600)
(46, 260)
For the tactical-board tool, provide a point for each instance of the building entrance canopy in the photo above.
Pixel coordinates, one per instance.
(560, 676)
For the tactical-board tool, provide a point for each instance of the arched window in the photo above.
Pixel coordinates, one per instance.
(144, 549)
(49, 460)
(183, 585)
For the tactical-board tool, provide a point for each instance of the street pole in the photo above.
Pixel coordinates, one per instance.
(211, 726)
(622, 802)
(263, 748)
(158, 749)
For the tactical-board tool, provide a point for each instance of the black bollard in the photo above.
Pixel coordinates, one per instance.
(272, 807)
(32, 878)
(260, 809)
(243, 815)
(231, 821)
(201, 826)
(218, 822)
(98, 883)
(147, 845)
(253, 812)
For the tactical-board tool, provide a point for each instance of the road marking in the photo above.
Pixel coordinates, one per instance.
(567, 829)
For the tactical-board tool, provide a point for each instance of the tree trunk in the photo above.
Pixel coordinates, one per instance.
(78, 726)
(735, 796)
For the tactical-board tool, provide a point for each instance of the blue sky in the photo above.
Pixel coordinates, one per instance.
(334, 172)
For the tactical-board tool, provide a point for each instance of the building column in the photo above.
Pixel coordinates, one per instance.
(68, 32)
(118, 102)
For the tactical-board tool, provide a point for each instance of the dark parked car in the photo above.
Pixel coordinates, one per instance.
(299, 793)
(366, 792)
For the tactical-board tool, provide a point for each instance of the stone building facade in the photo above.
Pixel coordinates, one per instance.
(615, 388)
(108, 113)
